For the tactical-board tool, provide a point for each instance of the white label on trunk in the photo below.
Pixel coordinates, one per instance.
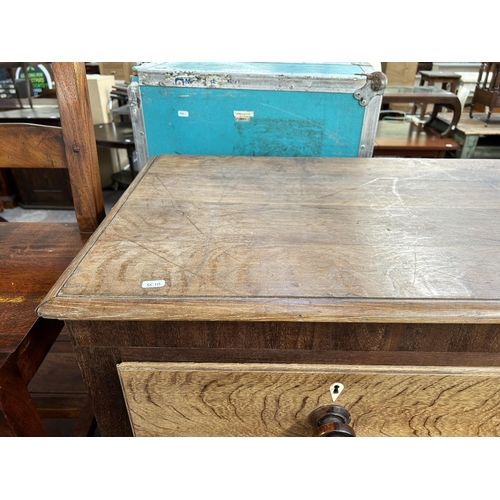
(243, 116)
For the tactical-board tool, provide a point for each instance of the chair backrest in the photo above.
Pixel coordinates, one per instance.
(489, 76)
(70, 146)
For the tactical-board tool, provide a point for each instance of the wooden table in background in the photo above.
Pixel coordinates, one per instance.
(424, 96)
(223, 296)
(407, 140)
(46, 114)
(475, 138)
(445, 78)
(118, 135)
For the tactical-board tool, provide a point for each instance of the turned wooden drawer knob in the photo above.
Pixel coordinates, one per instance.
(331, 421)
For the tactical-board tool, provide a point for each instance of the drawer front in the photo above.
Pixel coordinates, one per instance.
(205, 399)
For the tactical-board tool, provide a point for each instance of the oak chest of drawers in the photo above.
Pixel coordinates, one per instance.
(224, 296)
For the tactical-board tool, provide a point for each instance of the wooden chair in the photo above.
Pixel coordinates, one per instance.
(33, 255)
(487, 91)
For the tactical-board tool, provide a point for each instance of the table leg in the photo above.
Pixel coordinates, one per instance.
(98, 368)
(130, 154)
(7, 189)
(468, 147)
(453, 122)
(431, 83)
(414, 110)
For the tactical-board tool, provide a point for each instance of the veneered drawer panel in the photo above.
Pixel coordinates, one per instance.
(205, 399)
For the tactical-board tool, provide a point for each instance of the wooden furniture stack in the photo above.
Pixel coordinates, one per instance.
(477, 137)
(448, 79)
(403, 138)
(33, 255)
(424, 96)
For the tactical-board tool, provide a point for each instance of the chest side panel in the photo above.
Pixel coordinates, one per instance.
(251, 122)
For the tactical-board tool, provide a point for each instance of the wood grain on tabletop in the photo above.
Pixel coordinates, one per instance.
(186, 399)
(285, 237)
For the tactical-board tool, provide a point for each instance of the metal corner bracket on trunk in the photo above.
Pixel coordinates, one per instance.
(376, 83)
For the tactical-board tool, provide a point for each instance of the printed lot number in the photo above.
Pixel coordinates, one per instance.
(153, 284)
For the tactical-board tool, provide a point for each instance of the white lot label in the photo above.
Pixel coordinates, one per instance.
(184, 114)
(153, 284)
(243, 116)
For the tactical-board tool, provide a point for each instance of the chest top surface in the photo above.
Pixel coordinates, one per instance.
(295, 239)
(326, 77)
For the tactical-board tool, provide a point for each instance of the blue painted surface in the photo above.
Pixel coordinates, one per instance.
(181, 120)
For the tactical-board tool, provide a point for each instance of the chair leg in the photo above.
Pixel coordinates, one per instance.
(12, 76)
(20, 417)
(488, 117)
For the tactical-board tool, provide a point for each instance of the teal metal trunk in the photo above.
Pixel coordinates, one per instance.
(255, 109)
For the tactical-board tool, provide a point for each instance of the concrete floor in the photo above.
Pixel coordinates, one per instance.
(19, 214)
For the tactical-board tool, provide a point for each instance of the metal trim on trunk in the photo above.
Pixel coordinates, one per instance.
(137, 118)
(238, 77)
